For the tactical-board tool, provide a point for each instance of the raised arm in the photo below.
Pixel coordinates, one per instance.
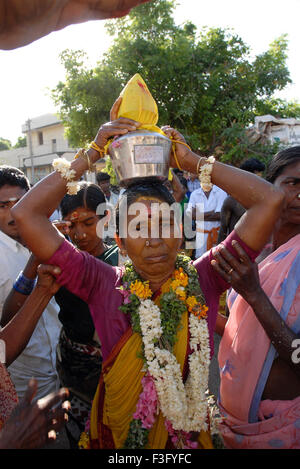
(261, 199)
(22, 22)
(19, 329)
(32, 211)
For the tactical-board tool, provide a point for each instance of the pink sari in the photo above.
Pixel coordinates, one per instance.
(8, 395)
(246, 356)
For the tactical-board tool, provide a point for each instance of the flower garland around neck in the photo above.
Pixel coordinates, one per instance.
(184, 405)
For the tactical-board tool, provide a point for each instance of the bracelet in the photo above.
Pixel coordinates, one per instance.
(204, 173)
(23, 284)
(62, 166)
(174, 151)
(83, 154)
(96, 147)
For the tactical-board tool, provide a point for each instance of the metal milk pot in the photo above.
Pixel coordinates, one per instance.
(140, 154)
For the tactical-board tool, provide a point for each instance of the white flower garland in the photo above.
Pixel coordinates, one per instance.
(205, 174)
(62, 166)
(185, 406)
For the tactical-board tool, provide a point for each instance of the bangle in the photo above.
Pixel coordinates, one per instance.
(62, 166)
(83, 154)
(204, 173)
(96, 147)
(174, 151)
(23, 284)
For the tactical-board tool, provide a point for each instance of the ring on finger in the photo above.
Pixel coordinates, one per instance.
(230, 271)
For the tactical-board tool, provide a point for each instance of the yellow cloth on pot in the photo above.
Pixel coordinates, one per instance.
(138, 104)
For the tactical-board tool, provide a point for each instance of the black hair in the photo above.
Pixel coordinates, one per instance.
(150, 188)
(89, 196)
(102, 176)
(253, 165)
(13, 177)
(177, 171)
(281, 160)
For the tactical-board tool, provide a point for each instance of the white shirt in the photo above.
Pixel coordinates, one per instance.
(56, 215)
(193, 185)
(38, 359)
(122, 190)
(112, 201)
(214, 203)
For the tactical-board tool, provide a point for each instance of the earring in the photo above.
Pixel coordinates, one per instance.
(147, 243)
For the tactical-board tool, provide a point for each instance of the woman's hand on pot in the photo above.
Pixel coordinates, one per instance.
(180, 149)
(114, 128)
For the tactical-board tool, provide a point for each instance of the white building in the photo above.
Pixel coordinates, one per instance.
(285, 131)
(45, 142)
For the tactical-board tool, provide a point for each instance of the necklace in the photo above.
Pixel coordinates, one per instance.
(184, 405)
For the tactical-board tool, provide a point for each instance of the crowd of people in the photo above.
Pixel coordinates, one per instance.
(108, 331)
(73, 288)
(30, 424)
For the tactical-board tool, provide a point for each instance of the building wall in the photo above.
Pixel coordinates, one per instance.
(13, 157)
(47, 143)
(285, 131)
(52, 139)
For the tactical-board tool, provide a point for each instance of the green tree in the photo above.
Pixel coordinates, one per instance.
(5, 144)
(21, 142)
(85, 98)
(205, 84)
(110, 170)
(279, 108)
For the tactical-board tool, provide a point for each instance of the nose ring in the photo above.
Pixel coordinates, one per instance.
(83, 235)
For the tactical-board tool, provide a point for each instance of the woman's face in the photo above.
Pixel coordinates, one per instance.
(152, 240)
(289, 182)
(83, 229)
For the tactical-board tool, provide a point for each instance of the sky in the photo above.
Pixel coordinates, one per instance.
(28, 73)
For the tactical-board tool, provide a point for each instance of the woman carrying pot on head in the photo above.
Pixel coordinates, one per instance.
(155, 317)
(260, 348)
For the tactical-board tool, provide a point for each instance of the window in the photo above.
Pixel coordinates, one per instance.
(40, 137)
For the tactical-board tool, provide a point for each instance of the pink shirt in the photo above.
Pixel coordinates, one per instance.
(96, 283)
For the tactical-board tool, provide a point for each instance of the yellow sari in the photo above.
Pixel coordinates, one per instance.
(120, 387)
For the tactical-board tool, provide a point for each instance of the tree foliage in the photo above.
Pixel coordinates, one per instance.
(205, 83)
(21, 142)
(5, 144)
(279, 108)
